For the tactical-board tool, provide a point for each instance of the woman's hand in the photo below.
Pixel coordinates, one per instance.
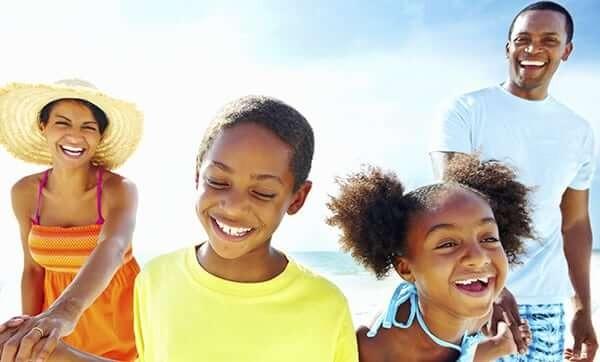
(43, 331)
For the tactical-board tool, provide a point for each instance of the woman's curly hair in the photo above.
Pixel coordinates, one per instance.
(373, 211)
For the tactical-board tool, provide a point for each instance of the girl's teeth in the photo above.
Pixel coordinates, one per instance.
(470, 281)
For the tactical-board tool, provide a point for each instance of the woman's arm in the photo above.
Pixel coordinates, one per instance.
(93, 278)
(108, 256)
(32, 280)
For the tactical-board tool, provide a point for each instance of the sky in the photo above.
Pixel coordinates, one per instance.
(368, 75)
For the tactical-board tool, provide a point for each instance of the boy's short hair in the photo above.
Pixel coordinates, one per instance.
(278, 117)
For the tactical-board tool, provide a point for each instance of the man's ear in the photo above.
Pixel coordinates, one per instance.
(506, 49)
(299, 197)
(567, 52)
(403, 269)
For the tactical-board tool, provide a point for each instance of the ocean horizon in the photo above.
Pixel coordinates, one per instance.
(365, 293)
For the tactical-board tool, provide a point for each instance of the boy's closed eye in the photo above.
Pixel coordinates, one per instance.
(264, 195)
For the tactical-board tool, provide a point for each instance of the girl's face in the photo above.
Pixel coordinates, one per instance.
(72, 134)
(245, 189)
(454, 254)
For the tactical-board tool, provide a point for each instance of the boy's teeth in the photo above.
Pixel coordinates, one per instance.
(232, 230)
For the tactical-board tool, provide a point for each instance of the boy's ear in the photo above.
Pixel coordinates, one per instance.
(299, 197)
(403, 269)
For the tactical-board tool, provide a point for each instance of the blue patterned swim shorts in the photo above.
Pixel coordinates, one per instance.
(547, 324)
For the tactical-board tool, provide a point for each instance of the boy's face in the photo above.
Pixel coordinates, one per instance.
(454, 255)
(245, 189)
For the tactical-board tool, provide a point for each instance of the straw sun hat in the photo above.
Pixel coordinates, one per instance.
(20, 106)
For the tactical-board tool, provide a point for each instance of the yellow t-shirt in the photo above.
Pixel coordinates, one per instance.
(183, 313)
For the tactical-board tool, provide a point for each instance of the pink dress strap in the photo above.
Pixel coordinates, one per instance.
(41, 185)
(100, 220)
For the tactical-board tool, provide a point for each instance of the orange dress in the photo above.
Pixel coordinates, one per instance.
(106, 328)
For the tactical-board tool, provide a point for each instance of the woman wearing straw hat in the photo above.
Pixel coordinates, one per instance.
(76, 218)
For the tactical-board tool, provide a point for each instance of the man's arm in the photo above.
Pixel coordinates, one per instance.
(577, 236)
(439, 162)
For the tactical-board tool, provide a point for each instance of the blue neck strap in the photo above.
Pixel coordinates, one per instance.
(407, 291)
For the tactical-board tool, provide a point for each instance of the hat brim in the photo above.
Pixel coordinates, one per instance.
(20, 106)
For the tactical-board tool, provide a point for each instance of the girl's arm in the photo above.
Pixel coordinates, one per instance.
(32, 279)
(93, 278)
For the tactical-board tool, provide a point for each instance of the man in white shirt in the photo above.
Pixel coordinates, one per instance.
(552, 150)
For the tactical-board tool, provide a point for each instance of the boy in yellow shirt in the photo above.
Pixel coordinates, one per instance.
(235, 297)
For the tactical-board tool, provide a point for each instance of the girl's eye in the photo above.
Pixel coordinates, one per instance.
(90, 128)
(446, 244)
(491, 239)
(61, 123)
(264, 195)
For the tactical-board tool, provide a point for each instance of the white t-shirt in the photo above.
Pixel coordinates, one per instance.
(551, 148)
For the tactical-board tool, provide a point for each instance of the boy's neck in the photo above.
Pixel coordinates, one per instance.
(257, 266)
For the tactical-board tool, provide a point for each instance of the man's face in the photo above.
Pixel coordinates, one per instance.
(537, 45)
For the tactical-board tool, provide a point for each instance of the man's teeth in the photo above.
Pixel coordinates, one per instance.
(470, 281)
(535, 63)
(233, 231)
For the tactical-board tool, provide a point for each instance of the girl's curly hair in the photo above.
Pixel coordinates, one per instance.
(373, 211)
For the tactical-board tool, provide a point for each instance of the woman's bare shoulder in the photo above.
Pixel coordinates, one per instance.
(27, 185)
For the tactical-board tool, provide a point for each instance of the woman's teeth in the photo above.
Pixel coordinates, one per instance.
(72, 151)
(233, 231)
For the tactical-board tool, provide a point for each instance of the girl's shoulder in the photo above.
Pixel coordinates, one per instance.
(387, 344)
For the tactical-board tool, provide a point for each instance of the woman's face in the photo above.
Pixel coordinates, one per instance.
(454, 254)
(72, 133)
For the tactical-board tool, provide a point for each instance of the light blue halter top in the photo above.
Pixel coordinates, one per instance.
(407, 291)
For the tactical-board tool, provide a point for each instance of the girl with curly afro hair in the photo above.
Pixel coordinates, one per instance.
(451, 243)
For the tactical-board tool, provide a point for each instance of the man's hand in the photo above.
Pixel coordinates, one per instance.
(506, 310)
(502, 344)
(584, 337)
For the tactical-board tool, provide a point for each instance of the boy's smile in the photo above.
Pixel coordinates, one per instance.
(228, 231)
(245, 189)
